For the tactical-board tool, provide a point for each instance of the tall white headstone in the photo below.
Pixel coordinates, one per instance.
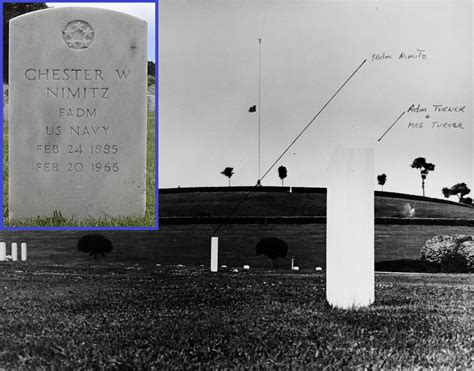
(350, 228)
(214, 253)
(77, 114)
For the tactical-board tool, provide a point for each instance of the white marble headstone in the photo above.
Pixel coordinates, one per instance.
(350, 281)
(350, 229)
(77, 113)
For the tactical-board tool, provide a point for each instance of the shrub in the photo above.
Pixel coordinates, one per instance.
(437, 247)
(454, 263)
(407, 265)
(273, 248)
(95, 245)
(466, 200)
(466, 249)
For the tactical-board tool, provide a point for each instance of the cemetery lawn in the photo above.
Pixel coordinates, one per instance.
(108, 315)
(60, 221)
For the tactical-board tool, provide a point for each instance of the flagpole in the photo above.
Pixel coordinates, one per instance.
(259, 99)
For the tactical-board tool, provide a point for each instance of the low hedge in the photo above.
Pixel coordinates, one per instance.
(408, 265)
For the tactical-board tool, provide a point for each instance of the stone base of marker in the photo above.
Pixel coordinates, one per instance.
(350, 229)
(214, 253)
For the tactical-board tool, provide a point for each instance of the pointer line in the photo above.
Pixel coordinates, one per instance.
(399, 117)
(293, 142)
(314, 118)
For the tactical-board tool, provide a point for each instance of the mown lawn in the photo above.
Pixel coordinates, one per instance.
(135, 316)
(57, 220)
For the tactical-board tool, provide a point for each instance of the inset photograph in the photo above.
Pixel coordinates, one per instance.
(79, 122)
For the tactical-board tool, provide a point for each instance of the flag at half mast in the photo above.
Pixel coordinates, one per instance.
(253, 108)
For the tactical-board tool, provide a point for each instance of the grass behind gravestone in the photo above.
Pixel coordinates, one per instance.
(58, 220)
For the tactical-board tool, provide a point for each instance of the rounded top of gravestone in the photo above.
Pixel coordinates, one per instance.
(73, 10)
(66, 34)
(359, 136)
(354, 135)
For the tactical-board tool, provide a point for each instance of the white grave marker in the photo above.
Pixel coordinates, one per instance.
(14, 251)
(23, 251)
(214, 253)
(350, 227)
(3, 251)
(77, 114)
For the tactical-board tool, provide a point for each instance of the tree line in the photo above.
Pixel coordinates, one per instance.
(460, 189)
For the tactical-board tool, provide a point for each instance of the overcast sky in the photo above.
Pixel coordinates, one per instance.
(209, 78)
(145, 11)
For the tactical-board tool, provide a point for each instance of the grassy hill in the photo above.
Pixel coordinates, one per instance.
(279, 201)
(188, 218)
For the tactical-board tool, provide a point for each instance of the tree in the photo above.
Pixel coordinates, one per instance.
(95, 245)
(12, 10)
(282, 173)
(459, 189)
(382, 179)
(425, 168)
(273, 248)
(446, 192)
(228, 172)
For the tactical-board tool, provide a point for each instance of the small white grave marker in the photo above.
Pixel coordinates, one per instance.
(23, 251)
(14, 251)
(3, 251)
(214, 253)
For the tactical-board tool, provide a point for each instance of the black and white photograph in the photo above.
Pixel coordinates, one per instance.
(236, 184)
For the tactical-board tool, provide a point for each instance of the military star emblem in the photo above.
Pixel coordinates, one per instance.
(78, 34)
